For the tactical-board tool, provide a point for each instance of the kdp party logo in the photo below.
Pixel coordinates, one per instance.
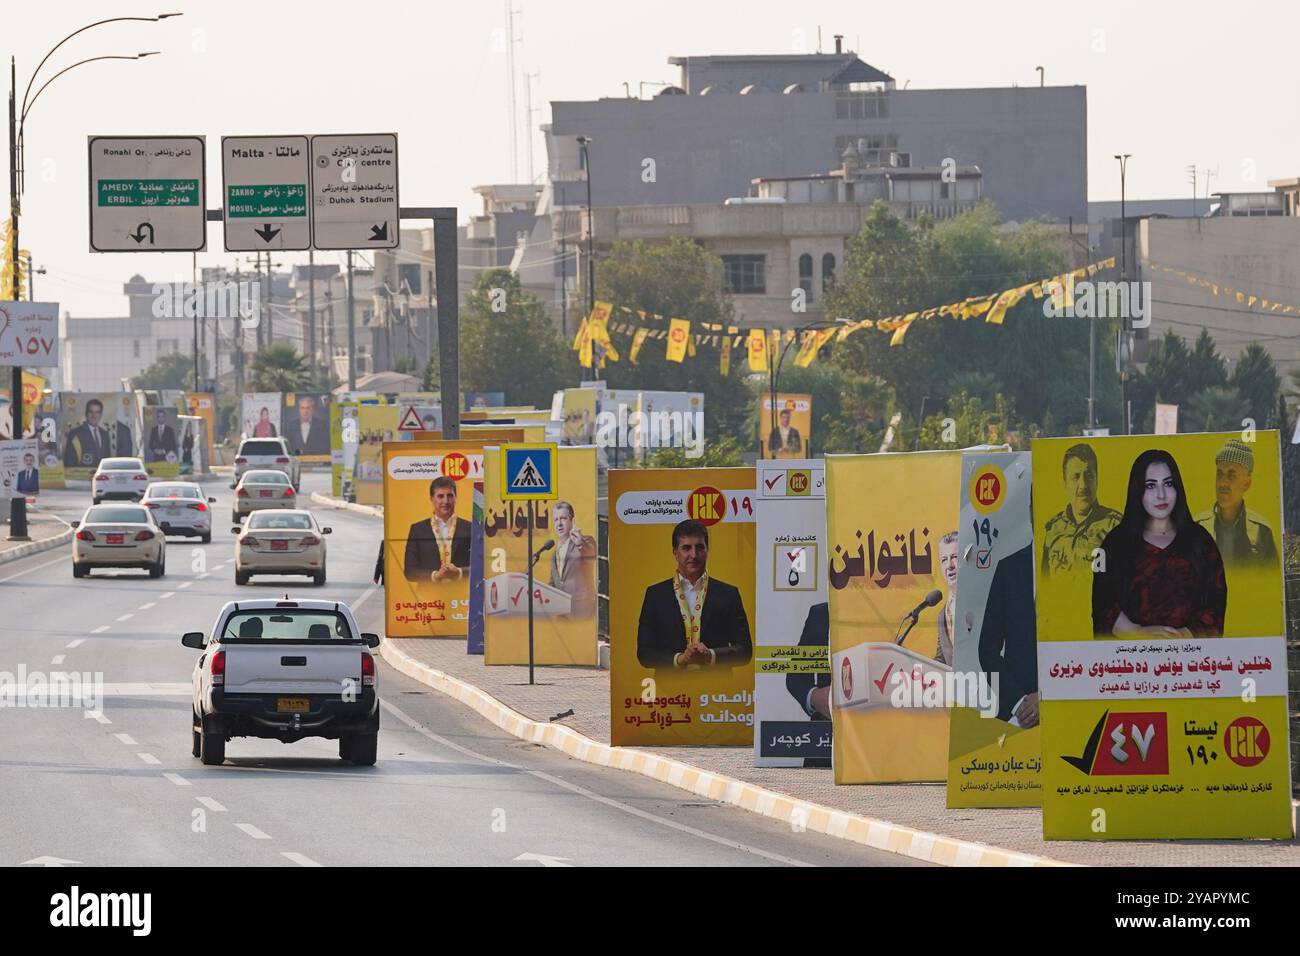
(1125, 743)
(455, 466)
(706, 505)
(988, 486)
(1246, 741)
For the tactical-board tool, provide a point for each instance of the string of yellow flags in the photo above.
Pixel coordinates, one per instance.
(1248, 299)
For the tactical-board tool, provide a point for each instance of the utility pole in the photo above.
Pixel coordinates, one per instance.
(1123, 277)
(18, 505)
(311, 312)
(237, 344)
(194, 279)
(352, 331)
(564, 279)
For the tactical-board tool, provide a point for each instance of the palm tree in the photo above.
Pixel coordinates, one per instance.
(279, 368)
(1216, 409)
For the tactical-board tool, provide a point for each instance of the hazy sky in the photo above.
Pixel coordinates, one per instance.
(1173, 84)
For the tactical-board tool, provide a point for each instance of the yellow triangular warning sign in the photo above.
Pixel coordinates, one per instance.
(410, 421)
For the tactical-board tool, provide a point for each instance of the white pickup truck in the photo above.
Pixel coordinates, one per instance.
(285, 670)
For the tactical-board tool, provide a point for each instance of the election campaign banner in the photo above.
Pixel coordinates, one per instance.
(788, 436)
(260, 415)
(162, 442)
(204, 405)
(891, 527)
(995, 748)
(305, 422)
(1161, 657)
(20, 472)
(564, 576)
(474, 639)
(792, 668)
(344, 435)
(94, 426)
(376, 424)
(681, 559)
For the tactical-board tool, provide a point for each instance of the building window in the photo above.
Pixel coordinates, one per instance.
(135, 348)
(861, 105)
(745, 275)
(828, 270)
(408, 275)
(806, 276)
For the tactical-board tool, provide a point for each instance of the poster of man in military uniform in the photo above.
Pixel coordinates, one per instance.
(1072, 535)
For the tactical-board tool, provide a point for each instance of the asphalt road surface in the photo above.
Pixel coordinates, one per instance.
(121, 789)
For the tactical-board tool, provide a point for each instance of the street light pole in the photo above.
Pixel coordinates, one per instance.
(1123, 277)
(17, 120)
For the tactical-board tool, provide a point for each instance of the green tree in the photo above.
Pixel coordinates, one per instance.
(1214, 409)
(508, 344)
(279, 368)
(1255, 377)
(722, 453)
(1205, 366)
(849, 410)
(968, 422)
(174, 370)
(679, 280)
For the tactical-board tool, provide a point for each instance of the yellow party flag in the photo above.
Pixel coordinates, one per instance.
(638, 339)
(807, 350)
(724, 363)
(679, 333)
(757, 348)
(1005, 301)
(899, 333)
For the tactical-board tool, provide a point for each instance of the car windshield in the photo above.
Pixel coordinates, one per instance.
(266, 478)
(287, 624)
(173, 491)
(267, 520)
(260, 448)
(101, 514)
(120, 464)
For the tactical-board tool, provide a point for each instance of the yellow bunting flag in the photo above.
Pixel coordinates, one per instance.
(724, 362)
(999, 311)
(899, 333)
(807, 350)
(637, 341)
(679, 334)
(757, 348)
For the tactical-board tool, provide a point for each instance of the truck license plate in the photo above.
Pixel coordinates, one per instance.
(292, 705)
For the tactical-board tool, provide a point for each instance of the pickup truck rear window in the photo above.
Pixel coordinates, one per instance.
(260, 448)
(286, 624)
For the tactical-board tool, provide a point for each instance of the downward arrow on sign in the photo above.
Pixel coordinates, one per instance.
(267, 233)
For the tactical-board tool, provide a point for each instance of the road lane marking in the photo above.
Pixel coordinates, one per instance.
(591, 795)
(364, 595)
(99, 630)
(126, 617)
(253, 831)
(57, 659)
(146, 606)
(150, 759)
(98, 715)
(177, 779)
(185, 585)
(77, 643)
(126, 739)
(300, 859)
(211, 804)
(47, 564)
(201, 577)
(163, 597)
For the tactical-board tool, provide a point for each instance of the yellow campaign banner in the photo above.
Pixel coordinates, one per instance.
(1161, 656)
(204, 405)
(564, 577)
(681, 612)
(679, 333)
(892, 566)
(428, 506)
(376, 424)
(788, 436)
(757, 347)
(995, 746)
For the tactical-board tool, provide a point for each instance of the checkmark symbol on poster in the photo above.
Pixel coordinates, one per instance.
(880, 684)
(518, 594)
(770, 482)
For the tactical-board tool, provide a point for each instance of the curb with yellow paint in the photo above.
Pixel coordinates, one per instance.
(868, 831)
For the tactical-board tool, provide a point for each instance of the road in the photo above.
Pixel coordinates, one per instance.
(121, 789)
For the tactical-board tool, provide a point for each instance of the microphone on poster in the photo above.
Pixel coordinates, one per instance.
(930, 600)
(540, 551)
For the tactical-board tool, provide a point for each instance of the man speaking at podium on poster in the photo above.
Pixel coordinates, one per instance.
(692, 620)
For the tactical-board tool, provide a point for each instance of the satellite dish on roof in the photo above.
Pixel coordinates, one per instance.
(751, 88)
(794, 88)
(671, 91)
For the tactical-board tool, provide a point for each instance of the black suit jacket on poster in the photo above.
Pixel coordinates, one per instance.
(159, 443)
(29, 481)
(1008, 641)
(317, 441)
(724, 627)
(422, 555)
(816, 633)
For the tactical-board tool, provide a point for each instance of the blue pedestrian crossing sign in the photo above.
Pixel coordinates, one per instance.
(529, 472)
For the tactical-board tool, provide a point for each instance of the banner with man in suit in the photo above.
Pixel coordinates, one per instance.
(564, 575)
(995, 745)
(681, 559)
(305, 423)
(161, 447)
(95, 426)
(792, 668)
(892, 570)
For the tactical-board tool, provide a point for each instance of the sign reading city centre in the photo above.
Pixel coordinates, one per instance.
(147, 194)
(266, 180)
(354, 191)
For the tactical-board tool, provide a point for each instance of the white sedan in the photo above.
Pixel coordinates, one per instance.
(258, 490)
(179, 507)
(119, 478)
(118, 536)
(280, 542)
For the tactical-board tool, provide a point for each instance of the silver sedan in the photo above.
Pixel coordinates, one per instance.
(118, 536)
(280, 542)
(180, 507)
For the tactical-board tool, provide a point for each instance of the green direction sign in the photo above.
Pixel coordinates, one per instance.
(148, 192)
(281, 200)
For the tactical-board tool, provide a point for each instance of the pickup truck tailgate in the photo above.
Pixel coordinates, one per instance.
(288, 667)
